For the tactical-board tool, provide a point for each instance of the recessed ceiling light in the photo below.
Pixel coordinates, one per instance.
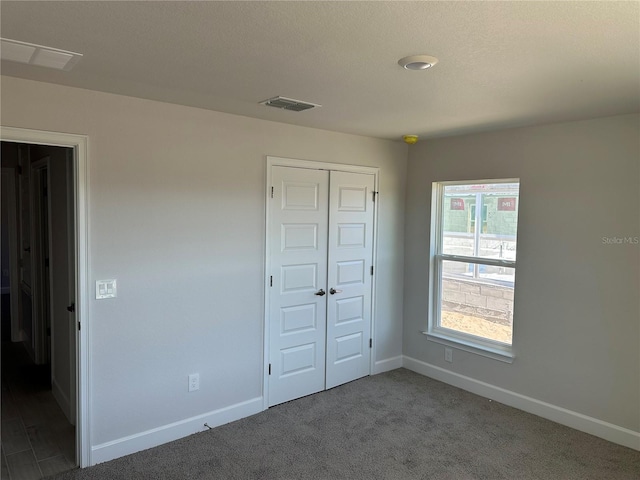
(417, 62)
(31, 54)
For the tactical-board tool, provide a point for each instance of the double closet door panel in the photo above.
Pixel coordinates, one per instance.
(321, 238)
(349, 263)
(298, 240)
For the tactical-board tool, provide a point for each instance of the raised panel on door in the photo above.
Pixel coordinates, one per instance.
(298, 252)
(349, 275)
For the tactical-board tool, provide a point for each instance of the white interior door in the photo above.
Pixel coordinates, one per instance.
(72, 288)
(349, 273)
(298, 244)
(321, 256)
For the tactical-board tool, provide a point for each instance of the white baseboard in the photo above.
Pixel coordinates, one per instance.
(387, 364)
(173, 431)
(584, 423)
(63, 401)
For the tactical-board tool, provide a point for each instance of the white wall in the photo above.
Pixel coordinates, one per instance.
(176, 213)
(576, 313)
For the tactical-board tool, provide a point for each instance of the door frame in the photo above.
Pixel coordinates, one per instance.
(80, 145)
(272, 161)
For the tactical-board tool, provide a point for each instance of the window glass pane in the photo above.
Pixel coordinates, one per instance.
(477, 299)
(488, 233)
(458, 221)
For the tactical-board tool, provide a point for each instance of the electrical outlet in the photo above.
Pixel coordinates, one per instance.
(194, 382)
(448, 355)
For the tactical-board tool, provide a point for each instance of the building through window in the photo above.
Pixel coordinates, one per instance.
(473, 263)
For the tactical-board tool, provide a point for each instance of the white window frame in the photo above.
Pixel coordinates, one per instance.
(445, 336)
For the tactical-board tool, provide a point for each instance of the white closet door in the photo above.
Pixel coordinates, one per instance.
(349, 275)
(297, 306)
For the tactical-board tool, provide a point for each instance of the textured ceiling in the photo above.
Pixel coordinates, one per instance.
(501, 63)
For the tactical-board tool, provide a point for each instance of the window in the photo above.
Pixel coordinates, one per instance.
(473, 269)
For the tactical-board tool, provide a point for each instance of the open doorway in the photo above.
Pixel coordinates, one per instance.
(39, 328)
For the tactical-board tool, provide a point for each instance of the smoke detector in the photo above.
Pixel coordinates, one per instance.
(417, 62)
(410, 139)
(289, 104)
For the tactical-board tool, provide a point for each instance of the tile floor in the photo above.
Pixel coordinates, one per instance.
(37, 439)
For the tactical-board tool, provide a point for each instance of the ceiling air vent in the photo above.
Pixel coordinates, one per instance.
(289, 104)
(32, 54)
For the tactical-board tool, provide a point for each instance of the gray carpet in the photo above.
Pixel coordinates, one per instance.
(397, 425)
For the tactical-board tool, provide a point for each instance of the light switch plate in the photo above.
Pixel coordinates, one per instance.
(106, 289)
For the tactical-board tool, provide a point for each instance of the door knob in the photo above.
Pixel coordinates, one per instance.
(320, 293)
(333, 291)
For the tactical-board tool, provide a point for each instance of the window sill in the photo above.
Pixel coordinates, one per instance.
(495, 353)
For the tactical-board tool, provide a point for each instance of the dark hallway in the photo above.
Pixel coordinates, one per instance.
(37, 439)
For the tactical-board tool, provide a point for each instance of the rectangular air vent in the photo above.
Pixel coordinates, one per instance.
(32, 54)
(289, 104)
